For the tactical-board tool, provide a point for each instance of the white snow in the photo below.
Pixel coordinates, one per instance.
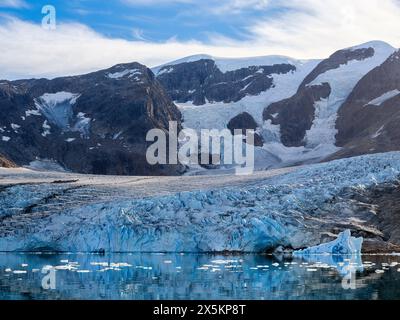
(342, 82)
(46, 129)
(383, 98)
(29, 113)
(345, 244)
(127, 72)
(217, 115)
(57, 107)
(82, 124)
(45, 165)
(378, 133)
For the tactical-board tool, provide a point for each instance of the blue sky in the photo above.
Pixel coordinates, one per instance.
(93, 34)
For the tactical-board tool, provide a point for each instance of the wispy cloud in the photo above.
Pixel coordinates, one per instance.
(299, 28)
(16, 4)
(210, 6)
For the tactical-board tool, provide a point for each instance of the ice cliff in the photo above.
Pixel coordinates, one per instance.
(295, 210)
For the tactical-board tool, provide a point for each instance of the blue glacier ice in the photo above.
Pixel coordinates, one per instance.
(290, 210)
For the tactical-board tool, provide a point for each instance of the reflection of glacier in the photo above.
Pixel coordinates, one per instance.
(176, 276)
(286, 210)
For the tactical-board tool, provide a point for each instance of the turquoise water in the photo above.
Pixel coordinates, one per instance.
(188, 276)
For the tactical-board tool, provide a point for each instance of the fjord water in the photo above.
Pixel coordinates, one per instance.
(190, 276)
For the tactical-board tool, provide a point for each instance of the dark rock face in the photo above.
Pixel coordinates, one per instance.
(202, 80)
(296, 114)
(243, 122)
(367, 128)
(94, 123)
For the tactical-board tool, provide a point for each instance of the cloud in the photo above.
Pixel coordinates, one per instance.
(16, 4)
(298, 28)
(216, 7)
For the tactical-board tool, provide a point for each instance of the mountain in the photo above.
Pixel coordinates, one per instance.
(294, 105)
(368, 122)
(5, 163)
(94, 123)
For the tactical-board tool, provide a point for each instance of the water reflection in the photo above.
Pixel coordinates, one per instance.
(183, 276)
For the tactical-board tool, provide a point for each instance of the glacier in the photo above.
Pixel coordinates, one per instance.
(294, 210)
(345, 244)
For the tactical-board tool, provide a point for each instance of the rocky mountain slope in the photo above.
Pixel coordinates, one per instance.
(369, 119)
(303, 111)
(293, 105)
(94, 123)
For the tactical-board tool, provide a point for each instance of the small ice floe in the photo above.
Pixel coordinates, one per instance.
(8, 270)
(24, 265)
(312, 269)
(379, 271)
(275, 264)
(83, 271)
(64, 261)
(167, 261)
(120, 265)
(345, 244)
(20, 271)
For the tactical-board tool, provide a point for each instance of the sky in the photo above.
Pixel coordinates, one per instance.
(93, 34)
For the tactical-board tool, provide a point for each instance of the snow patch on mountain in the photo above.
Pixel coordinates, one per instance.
(218, 115)
(342, 82)
(383, 98)
(57, 107)
(231, 64)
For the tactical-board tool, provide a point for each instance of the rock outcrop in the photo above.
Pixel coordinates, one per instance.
(368, 121)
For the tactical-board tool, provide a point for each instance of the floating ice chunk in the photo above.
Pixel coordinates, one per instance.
(57, 107)
(5, 138)
(345, 244)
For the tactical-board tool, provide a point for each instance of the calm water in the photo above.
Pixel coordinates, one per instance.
(179, 276)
